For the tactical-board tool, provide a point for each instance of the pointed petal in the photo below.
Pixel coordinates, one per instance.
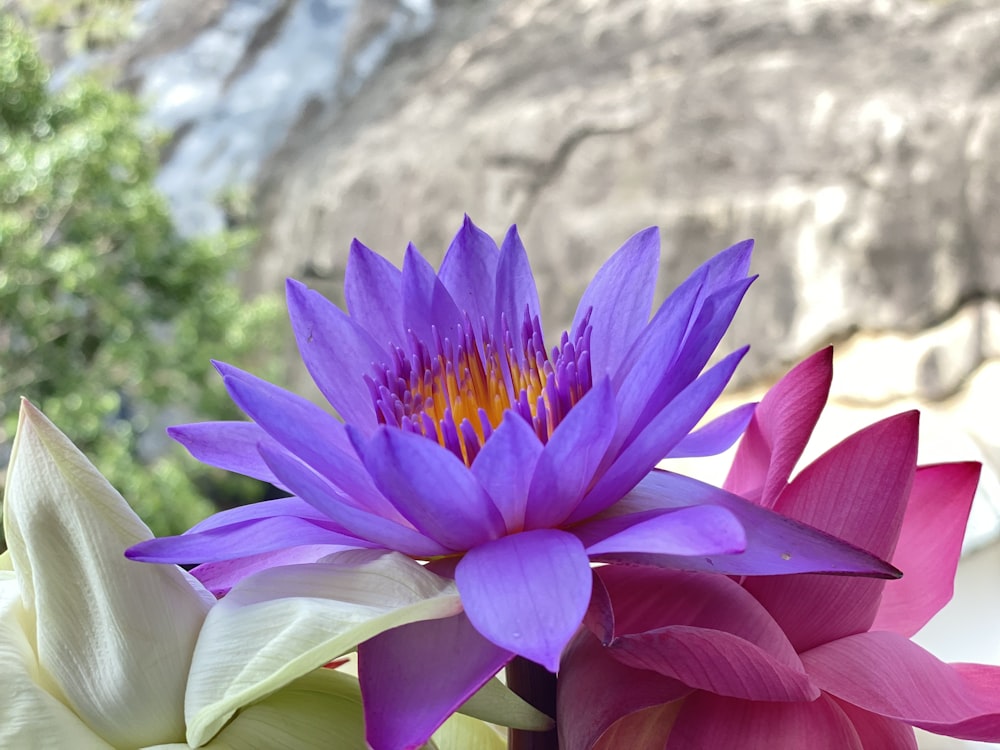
(698, 530)
(776, 545)
(620, 297)
(358, 521)
(414, 677)
(515, 284)
(658, 438)
(337, 352)
(29, 715)
(67, 528)
(315, 712)
(228, 445)
(469, 271)
(889, 675)
(498, 704)
(372, 291)
(426, 302)
(711, 721)
(858, 492)
(569, 459)
(505, 466)
(282, 623)
(777, 435)
(220, 577)
(595, 690)
(527, 592)
(431, 488)
(717, 436)
(930, 544)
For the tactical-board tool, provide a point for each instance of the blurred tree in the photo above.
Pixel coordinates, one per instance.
(107, 316)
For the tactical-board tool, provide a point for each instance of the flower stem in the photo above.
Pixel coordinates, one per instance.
(537, 686)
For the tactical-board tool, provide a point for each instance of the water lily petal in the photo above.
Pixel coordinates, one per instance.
(780, 429)
(337, 352)
(29, 715)
(645, 729)
(498, 704)
(708, 720)
(282, 623)
(220, 577)
(468, 271)
(516, 290)
(776, 545)
(902, 681)
(569, 459)
(505, 467)
(858, 492)
(228, 445)
(465, 733)
(527, 592)
(619, 298)
(372, 291)
(282, 506)
(716, 436)
(875, 730)
(431, 488)
(427, 305)
(697, 530)
(983, 680)
(930, 544)
(414, 677)
(595, 690)
(61, 515)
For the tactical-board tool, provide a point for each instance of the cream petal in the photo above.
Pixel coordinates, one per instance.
(115, 636)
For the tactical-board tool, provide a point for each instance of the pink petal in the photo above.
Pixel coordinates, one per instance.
(569, 459)
(645, 729)
(595, 690)
(857, 491)
(372, 290)
(930, 544)
(887, 674)
(527, 592)
(619, 299)
(711, 721)
(415, 676)
(877, 731)
(782, 424)
(505, 466)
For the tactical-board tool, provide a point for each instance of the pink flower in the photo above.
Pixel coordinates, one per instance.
(688, 660)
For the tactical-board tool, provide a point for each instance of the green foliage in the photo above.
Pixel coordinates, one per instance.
(88, 24)
(107, 316)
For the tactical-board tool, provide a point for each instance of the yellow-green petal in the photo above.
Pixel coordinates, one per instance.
(496, 703)
(465, 733)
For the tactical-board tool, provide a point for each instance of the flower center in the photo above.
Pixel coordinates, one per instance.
(457, 389)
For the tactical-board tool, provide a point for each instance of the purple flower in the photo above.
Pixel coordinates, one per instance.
(465, 441)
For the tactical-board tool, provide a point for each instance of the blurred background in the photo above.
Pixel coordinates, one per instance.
(165, 164)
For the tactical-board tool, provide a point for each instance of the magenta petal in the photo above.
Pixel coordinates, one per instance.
(431, 488)
(228, 445)
(427, 304)
(877, 731)
(858, 492)
(712, 721)
(658, 438)
(781, 427)
(716, 436)
(469, 270)
(515, 284)
(619, 299)
(505, 466)
(930, 544)
(220, 577)
(372, 291)
(595, 690)
(238, 540)
(360, 521)
(888, 674)
(698, 530)
(415, 676)
(775, 545)
(569, 459)
(527, 592)
(337, 352)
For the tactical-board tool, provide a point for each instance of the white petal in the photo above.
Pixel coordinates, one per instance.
(115, 637)
(30, 717)
(282, 623)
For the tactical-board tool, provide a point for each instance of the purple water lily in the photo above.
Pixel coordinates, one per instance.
(467, 443)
